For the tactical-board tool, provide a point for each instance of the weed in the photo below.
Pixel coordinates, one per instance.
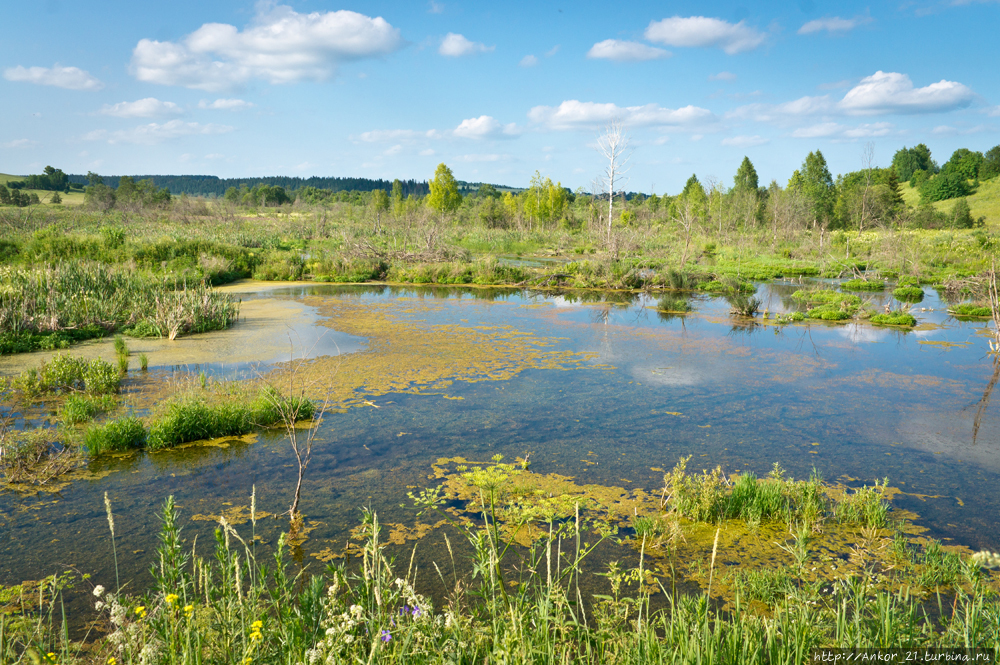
(82, 408)
(863, 285)
(866, 506)
(911, 294)
(894, 319)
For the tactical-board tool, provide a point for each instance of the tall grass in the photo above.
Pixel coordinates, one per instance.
(54, 306)
(231, 607)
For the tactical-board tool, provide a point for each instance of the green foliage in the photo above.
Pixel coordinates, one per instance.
(82, 408)
(859, 284)
(866, 506)
(894, 319)
(814, 181)
(907, 161)
(964, 162)
(945, 185)
(970, 309)
(115, 436)
(908, 293)
(990, 167)
(671, 303)
(191, 418)
(831, 305)
(746, 177)
(64, 374)
(444, 196)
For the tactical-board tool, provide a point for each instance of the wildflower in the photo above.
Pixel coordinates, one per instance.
(141, 611)
(247, 660)
(386, 636)
(112, 661)
(416, 612)
(98, 591)
(188, 610)
(51, 656)
(99, 605)
(171, 598)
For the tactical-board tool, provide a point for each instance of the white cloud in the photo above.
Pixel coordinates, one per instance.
(834, 130)
(804, 106)
(225, 105)
(150, 107)
(396, 135)
(835, 85)
(552, 51)
(484, 127)
(706, 32)
(891, 92)
(529, 61)
(574, 114)
(435, 7)
(947, 130)
(71, 78)
(834, 24)
(156, 133)
(994, 112)
(482, 158)
(744, 141)
(20, 143)
(722, 76)
(623, 51)
(280, 46)
(427, 153)
(455, 45)
(394, 150)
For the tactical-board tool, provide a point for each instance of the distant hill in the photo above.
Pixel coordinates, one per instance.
(984, 203)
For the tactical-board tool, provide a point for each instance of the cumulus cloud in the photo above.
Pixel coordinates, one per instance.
(834, 24)
(574, 114)
(20, 143)
(891, 92)
(834, 130)
(722, 76)
(623, 51)
(455, 45)
(280, 46)
(71, 78)
(150, 107)
(156, 133)
(744, 141)
(225, 105)
(529, 61)
(702, 31)
(484, 127)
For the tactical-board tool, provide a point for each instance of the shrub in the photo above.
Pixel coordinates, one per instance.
(115, 436)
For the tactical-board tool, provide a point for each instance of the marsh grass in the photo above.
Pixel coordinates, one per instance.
(55, 306)
(64, 374)
(193, 416)
(83, 408)
(898, 318)
(229, 606)
(910, 294)
(863, 285)
(865, 506)
(828, 305)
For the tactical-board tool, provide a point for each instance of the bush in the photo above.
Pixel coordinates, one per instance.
(115, 436)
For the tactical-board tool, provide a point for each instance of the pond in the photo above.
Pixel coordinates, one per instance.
(598, 386)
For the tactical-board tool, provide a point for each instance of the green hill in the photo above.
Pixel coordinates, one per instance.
(984, 203)
(5, 177)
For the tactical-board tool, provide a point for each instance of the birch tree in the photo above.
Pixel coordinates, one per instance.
(613, 146)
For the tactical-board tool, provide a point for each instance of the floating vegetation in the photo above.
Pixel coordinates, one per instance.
(970, 309)
(899, 318)
(863, 285)
(829, 305)
(911, 294)
(673, 304)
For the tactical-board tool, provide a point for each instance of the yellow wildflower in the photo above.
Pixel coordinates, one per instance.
(171, 598)
(141, 611)
(188, 610)
(112, 661)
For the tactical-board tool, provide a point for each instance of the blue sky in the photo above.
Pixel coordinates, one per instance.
(495, 90)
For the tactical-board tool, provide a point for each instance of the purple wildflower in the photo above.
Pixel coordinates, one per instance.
(386, 636)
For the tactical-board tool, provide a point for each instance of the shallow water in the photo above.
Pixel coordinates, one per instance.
(622, 394)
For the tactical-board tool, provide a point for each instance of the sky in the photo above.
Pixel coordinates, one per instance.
(497, 91)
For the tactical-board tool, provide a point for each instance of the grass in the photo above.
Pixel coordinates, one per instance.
(232, 606)
(970, 309)
(68, 374)
(863, 285)
(893, 319)
(192, 417)
(912, 294)
(82, 408)
(828, 305)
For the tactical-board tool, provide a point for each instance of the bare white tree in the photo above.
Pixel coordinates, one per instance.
(613, 146)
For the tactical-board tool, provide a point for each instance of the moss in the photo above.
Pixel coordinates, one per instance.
(908, 293)
(970, 309)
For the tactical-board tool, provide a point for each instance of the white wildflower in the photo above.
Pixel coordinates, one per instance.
(98, 591)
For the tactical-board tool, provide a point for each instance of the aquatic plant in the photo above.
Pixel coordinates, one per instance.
(898, 318)
(863, 285)
(143, 362)
(81, 408)
(669, 303)
(912, 294)
(969, 309)
(742, 304)
(65, 374)
(115, 436)
(866, 506)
